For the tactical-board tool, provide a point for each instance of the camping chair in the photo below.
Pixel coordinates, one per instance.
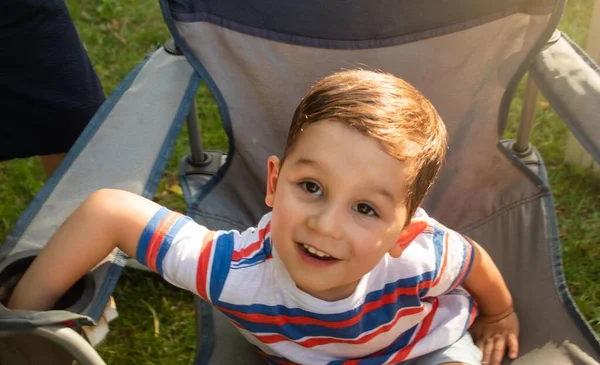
(258, 58)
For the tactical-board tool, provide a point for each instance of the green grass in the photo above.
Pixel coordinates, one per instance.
(156, 325)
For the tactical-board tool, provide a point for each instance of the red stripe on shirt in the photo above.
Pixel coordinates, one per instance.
(318, 341)
(158, 236)
(473, 314)
(423, 331)
(202, 269)
(281, 320)
(252, 248)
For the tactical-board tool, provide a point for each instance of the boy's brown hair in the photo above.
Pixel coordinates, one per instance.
(386, 108)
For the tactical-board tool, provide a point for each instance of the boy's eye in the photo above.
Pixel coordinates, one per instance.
(311, 188)
(365, 209)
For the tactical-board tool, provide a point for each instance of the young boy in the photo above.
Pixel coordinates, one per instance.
(346, 266)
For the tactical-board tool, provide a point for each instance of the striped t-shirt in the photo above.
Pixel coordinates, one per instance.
(404, 308)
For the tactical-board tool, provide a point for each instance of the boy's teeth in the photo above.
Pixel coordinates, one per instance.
(314, 251)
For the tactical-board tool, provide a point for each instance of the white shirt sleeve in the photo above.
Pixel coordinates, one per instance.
(194, 258)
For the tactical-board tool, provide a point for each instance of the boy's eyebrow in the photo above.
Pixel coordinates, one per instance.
(386, 193)
(306, 161)
(378, 189)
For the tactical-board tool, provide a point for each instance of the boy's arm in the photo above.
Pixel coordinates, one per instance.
(497, 327)
(106, 219)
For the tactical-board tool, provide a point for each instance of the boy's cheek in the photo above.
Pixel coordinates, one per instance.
(289, 209)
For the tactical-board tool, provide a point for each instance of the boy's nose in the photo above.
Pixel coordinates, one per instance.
(328, 222)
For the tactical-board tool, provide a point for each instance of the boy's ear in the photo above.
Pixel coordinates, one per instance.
(273, 165)
(408, 234)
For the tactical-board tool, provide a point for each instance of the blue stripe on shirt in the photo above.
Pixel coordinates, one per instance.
(370, 320)
(258, 257)
(297, 312)
(223, 250)
(399, 343)
(144, 241)
(438, 247)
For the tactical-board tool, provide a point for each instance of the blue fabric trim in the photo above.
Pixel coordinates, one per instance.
(592, 147)
(212, 86)
(560, 282)
(144, 241)
(528, 173)
(109, 282)
(220, 264)
(205, 333)
(328, 43)
(165, 151)
(87, 134)
(584, 56)
(535, 179)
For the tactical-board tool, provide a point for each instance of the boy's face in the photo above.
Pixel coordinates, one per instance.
(338, 207)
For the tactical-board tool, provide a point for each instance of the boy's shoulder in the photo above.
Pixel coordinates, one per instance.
(439, 258)
(433, 225)
(429, 249)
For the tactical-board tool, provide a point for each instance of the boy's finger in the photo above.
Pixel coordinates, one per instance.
(488, 347)
(498, 352)
(479, 343)
(513, 346)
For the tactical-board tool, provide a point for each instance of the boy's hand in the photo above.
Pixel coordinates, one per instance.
(494, 335)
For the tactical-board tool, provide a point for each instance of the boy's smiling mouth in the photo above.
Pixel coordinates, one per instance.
(315, 253)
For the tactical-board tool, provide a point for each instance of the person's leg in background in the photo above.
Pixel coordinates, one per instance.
(51, 162)
(48, 88)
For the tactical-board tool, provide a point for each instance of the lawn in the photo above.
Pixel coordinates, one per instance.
(156, 325)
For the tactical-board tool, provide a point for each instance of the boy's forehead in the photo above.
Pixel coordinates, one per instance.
(340, 150)
(341, 141)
